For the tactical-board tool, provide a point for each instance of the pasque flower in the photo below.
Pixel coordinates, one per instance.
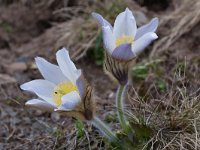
(124, 42)
(63, 88)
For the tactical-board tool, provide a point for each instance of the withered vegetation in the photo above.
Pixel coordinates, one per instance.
(164, 97)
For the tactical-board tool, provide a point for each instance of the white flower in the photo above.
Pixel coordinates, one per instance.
(61, 88)
(125, 41)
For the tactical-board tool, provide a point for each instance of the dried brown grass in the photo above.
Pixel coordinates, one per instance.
(174, 117)
(185, 17)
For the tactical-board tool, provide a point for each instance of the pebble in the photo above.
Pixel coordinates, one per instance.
(15, 67)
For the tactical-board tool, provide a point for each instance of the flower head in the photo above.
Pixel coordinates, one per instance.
(63, 88)
(124, 41)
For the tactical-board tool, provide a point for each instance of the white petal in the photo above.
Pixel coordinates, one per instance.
(40, 104)
(70, 101)
(125, 24)
(66, 65)
(50, 71)
(139, 45)
(108, 39)
(41, 88)
(101, 20)
(150, 27)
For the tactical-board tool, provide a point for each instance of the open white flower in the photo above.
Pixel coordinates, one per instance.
(124, 41)
(62, 88)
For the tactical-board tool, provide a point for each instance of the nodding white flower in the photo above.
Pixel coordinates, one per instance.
(63, 88)
(124, 41)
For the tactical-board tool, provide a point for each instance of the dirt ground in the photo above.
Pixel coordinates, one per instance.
(34, 28)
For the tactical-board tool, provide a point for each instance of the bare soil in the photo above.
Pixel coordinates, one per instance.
(33, 28)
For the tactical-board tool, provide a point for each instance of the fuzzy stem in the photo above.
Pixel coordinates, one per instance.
(120, 108)
(104, 129)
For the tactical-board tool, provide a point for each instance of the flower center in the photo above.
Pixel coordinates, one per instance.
(62, 89)
(124, 39)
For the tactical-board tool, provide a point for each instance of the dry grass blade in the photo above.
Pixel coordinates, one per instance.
(181, 21)
(174, 117)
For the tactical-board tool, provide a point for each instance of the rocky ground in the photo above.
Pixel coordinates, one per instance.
(33, 28)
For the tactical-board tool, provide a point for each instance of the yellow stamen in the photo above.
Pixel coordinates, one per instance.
(124, 39)
(61, 90)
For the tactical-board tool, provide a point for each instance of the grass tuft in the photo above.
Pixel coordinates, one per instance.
(173, 116)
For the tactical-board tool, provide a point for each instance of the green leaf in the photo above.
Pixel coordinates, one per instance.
(98, 53)
(140, 71)
(6, 27)
(80, 128)
(161, 85)
(142, 132)
(111, 117)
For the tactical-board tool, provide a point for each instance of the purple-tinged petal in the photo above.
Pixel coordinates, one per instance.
(150, 27)
(80, 84)
(125, 24)
(101, 20)
(123, 52)
(139, 45)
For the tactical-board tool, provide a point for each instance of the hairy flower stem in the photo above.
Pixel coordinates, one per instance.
(104, 129)
(120, 108)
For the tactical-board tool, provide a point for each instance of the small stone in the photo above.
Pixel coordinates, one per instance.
(8, 87)
(55, 116)
(111, 95)
(15, 67)
(27, 120)
(4, 79)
